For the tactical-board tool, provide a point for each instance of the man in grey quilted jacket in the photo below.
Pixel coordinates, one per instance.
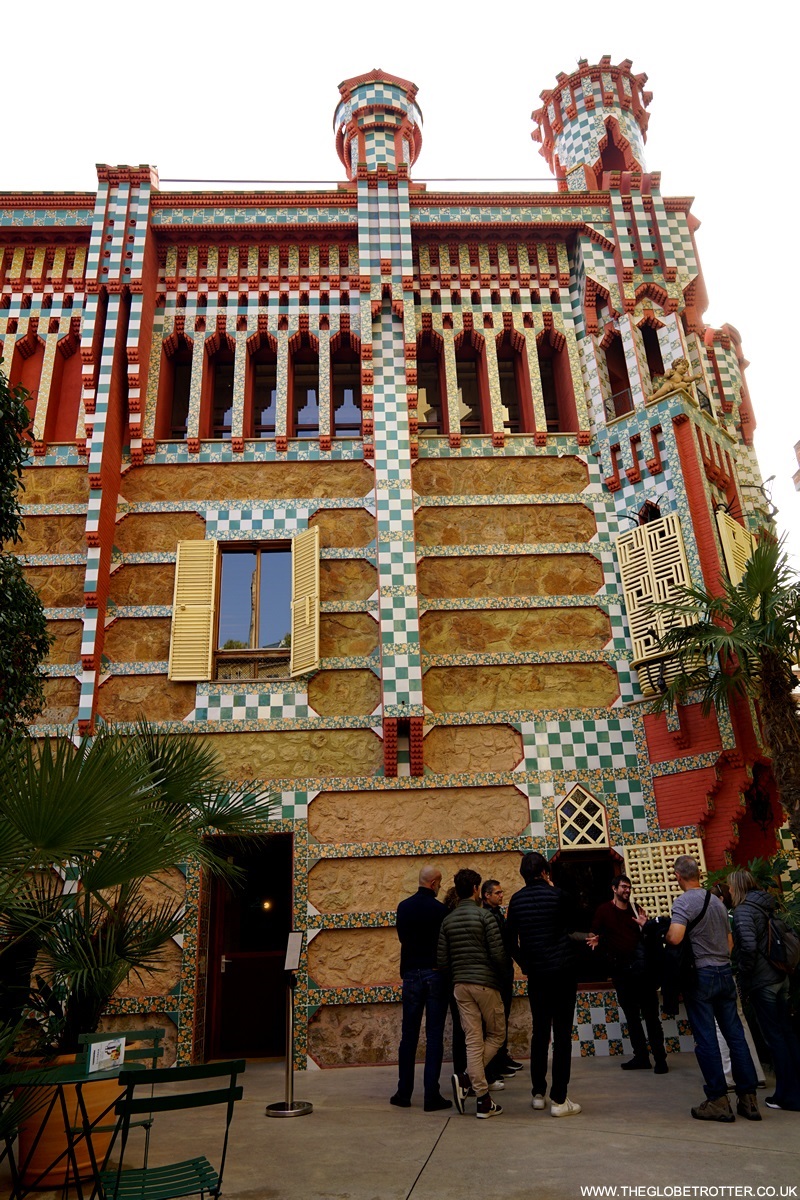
(471, 949)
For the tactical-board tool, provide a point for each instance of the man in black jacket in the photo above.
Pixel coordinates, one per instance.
(471, 949)
(537, 928)
(425, 989)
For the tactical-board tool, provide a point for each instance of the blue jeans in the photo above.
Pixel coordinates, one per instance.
(771, 1004)
(714, 997)
(423, 992)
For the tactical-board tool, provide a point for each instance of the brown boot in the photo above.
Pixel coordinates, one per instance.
(747, 1106)
(714, 1110)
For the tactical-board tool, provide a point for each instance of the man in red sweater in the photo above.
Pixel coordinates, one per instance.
(618, 928)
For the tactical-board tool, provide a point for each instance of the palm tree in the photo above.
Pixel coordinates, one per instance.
(745, 642)
(83, 828)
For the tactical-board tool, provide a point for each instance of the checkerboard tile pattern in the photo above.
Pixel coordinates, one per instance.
(605, 743)
(246, 704)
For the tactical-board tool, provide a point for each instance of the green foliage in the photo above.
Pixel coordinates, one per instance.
(743, 644)
(108, 815)
(24, 640)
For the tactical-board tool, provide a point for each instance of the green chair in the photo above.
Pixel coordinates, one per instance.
(141, 1045)
(193, 1176)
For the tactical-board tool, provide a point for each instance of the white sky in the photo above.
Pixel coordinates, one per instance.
(247, 91)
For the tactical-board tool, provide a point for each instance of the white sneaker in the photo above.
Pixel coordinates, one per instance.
(538, 1101)
(497, 1085)
(567, 1109)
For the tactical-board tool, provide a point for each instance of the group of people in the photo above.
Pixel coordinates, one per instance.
(460, 955)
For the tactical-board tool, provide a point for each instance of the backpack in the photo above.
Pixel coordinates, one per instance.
(783, 946)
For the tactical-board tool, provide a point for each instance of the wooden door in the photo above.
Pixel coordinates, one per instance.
(250, 923)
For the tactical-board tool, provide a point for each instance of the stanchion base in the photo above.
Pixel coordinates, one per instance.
(298, 1108)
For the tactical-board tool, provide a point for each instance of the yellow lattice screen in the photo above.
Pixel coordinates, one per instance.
(653, 566)
(193, 605)
(305, 602)
(582, 821)
(738, 544)
(649, 868)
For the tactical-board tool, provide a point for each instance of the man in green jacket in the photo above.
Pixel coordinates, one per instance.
(471, 949)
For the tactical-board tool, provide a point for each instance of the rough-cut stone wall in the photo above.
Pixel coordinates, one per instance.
(143, 583)
(347, 579)
(129, 697)
(504, 524)
(344, 526)
(507, 630)
(344, 693)
(541, 685)
(510, 575)
(52, 535)
(158, 531)
(58, 587)
(347, 634)
(66, 647)
(61, 696)
(498, 476)
(138, 639)
(450, 749)
(123, 1022)
(431, 814)
(342, 1035)
(55, 485)
(298, 754)
(377, 884)
(248, 481)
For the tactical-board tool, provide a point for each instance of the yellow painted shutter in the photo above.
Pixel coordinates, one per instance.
(305, 602)
(653, 566)
(738, 544)
(193, 608)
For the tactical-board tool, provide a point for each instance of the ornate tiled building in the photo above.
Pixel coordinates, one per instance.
(376, 489)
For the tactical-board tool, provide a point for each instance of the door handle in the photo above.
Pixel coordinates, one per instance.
(223, 960)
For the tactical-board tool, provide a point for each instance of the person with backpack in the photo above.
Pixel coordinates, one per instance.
(764, 981)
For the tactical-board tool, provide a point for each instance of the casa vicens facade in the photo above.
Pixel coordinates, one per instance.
(376, 488)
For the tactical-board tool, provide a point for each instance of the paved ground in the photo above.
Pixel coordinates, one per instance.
(635, 1131)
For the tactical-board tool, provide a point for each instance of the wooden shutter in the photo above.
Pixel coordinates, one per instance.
(653, 566)
(305, 602)
(738, 544)
(193, 609)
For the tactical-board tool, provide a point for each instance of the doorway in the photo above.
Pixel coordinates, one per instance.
(250, 922)
(585, 876)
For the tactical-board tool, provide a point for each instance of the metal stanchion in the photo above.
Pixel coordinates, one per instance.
(290, 1107)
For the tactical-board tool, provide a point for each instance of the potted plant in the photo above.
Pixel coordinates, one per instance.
(83, 828)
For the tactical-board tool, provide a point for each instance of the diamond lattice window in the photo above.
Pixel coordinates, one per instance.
(582, 822)
(649, 868)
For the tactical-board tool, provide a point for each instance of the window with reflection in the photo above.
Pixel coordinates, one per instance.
(222, 393)
(261, 393)
(254, 623)
(346, 392)
(431, 409)
(304, 394)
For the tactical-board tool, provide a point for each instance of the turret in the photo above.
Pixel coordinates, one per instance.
(593, 124)
(377, 123)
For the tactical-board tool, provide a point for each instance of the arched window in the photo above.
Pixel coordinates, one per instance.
(620, 399)
(652, 349)
(473, 389)
(345, 389)
(431, 390)
(216, 405)
(558, 393)
(175, 386)
(65, 391)
(515, 391)
(304, 388)
(261, 388)
(26, 365)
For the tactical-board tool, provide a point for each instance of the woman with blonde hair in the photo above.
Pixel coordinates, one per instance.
(766, 988)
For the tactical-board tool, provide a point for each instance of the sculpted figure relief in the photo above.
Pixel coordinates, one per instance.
(677, 377)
